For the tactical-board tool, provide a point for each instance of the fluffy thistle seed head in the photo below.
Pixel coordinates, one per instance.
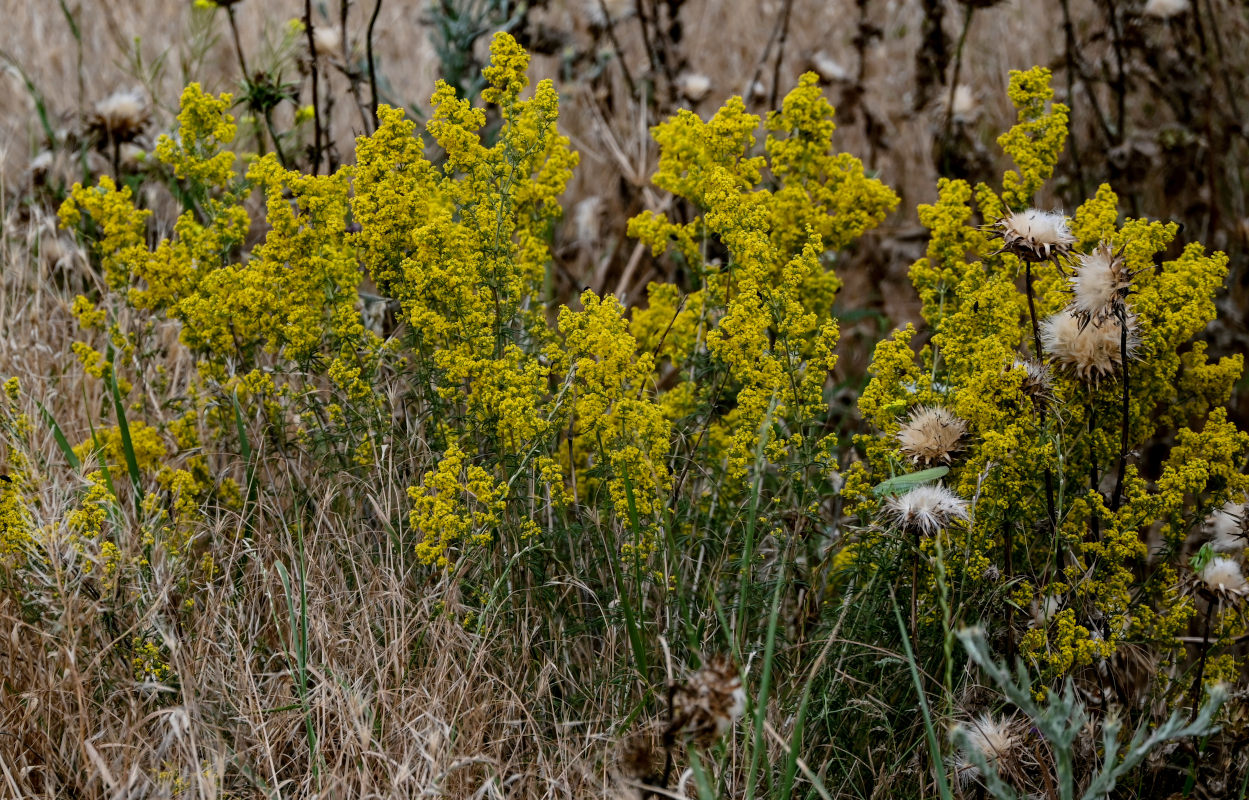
(1223, 576)
(1091, 351)
(931, 434)
(1035, 235)
(993, 738)
(120, 117)
(1100, 285)
(926, 509)
(707, 704)
(1228, 528)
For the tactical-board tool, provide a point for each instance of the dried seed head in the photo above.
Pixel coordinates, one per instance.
(1228, 528)
(1100, 285)
(636, 759)
(1037, 383)
(693, 86)
(1091, 351)
(328, 40)
(1223, 576)
(707, 704)
(120, 117)
(1164, 9)
(931, 434)
(992, 737)
(926, 509)
(1035, 235)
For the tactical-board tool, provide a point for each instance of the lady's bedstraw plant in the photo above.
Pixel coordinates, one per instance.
(1098, 562)
(759, 310)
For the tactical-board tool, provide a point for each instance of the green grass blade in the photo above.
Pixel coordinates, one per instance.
(59, 436)
(930, 731)
(123, 430)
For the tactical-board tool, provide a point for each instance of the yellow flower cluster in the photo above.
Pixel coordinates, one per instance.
(458, 502)
(764, 315)
(617, 421)
(1028, 464)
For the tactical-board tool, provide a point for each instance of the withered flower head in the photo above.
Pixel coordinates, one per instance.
(1100, 285)
(1164, 9)
(992, 738)
(120, 117)
(1223, 576)
(693, 86)
(926, 509)
(1092, 351)
(1229, 528)
(707, 704)
(931, 434)
(1037, 383)
(1035, 235)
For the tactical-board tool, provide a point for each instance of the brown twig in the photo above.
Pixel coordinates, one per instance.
(316, 105)
(1123, 435)
(780, 53)
(610, 29)
(368, 43)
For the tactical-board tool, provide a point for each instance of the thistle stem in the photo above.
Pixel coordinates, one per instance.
(1040, 357)
(1201, 662)
(915, 596)
(1123, 434)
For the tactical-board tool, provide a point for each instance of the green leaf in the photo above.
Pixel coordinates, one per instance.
(903, 483)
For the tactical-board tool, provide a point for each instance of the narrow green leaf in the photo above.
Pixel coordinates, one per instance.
(59, 436)
(903, 483)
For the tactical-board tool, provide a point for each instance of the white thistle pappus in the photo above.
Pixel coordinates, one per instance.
(926, 509)
(1035, 235)
(1100, 285)
(1092, 351)
(1223, 576)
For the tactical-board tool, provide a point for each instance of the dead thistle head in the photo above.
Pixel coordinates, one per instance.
(705, 706)
(1034, 235)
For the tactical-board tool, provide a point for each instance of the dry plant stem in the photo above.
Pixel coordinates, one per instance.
(238, 46)
(1074, 64)
(1094, 482)
(368, 44)
(1069, 55)
(1195, 698)
(316, 105)
(1040, 357)
(651, 56)
(1120, 80)
(780, 53)
(1123, 434)
(615, 43)
(352, 75)
(1008, 545)
(247, 77)
(915, 597)
(958, 68)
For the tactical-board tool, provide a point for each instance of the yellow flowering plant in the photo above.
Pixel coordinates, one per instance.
(1063, 499)
(379, 347)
